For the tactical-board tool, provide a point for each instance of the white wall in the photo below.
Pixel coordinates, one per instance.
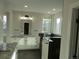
(1, 6)
(65, 41)
(36, 24)
(45, 49)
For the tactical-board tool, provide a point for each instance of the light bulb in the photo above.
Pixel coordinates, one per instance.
(54, 9)
(26, 6)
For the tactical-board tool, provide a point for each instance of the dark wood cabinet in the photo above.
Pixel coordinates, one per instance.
(54, 48)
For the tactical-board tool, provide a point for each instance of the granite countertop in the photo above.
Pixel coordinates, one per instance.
(9, 52)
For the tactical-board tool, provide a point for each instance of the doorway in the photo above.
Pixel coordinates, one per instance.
(74, 36)
(26, 28)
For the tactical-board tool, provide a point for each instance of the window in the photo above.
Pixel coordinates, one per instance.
(46, 26)
(4, 22)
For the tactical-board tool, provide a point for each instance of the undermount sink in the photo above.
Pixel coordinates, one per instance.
(6, 47)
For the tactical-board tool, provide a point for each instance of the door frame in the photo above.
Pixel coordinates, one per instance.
(70, 18)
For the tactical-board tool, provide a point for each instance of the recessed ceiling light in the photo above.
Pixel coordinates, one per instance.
(54, 9)
(26, 6)
(49, 12)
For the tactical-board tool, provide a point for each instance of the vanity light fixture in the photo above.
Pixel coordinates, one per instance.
(26, 17)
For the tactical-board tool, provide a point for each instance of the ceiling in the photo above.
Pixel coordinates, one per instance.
(41, 6)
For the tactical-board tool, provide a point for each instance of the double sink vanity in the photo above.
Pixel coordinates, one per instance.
(50, 47)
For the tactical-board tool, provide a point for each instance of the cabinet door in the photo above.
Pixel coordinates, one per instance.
(54, 49)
